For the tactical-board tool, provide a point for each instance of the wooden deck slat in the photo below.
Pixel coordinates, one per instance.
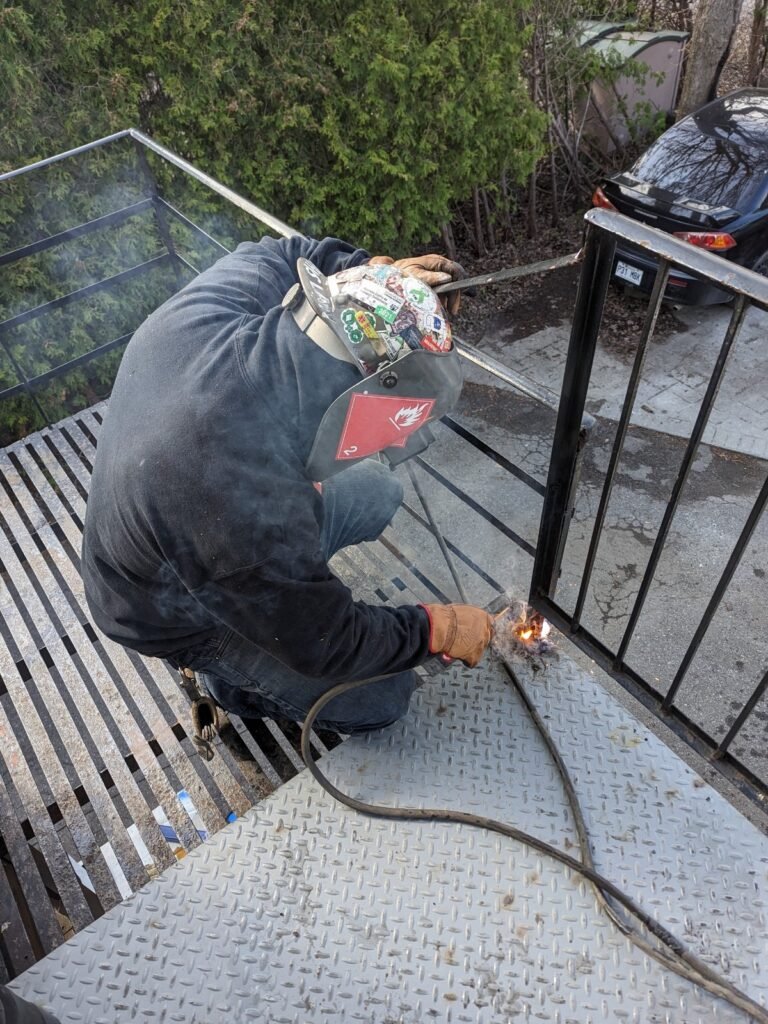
(156, 720)
(223, 772)
(15, 938)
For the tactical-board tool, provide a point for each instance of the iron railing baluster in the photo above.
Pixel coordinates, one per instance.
(722, 585)
(159, 212)
(734, 324)
(195, 228)
(621, 432)
(568, 441)
(744, 714)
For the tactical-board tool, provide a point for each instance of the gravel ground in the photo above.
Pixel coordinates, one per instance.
(533, 303)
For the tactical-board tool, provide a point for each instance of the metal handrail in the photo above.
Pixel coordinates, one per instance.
(168, 155)
(519, 382)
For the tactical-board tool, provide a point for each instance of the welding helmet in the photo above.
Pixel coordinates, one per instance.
(393, 328)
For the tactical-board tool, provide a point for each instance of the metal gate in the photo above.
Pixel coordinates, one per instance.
(736, 743)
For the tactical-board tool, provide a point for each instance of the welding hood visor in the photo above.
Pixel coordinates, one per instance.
(392, 326)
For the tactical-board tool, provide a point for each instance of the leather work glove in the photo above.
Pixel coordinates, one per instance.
(433, 270)
(459, 631)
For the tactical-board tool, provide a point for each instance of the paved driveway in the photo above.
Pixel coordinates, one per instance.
(675, 377)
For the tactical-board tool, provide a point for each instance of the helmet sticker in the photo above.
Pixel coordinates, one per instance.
(436, 333)
(375, 422)
(419, 294)
(411, 335)
(351, 326)
(367, 322)
(388, 315)
(373, 294)
(378, 312)
(394, 345)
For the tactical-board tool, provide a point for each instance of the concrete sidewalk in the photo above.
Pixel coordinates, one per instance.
(675, 377)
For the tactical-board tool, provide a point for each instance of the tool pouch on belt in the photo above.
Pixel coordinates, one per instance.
(205, 714)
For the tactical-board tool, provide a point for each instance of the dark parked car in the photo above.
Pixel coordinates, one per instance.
(705, 180)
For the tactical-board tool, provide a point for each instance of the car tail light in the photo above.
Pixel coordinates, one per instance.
(599, 198)
(717, 240)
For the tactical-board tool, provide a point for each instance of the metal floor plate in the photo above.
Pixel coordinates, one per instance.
(304, 911)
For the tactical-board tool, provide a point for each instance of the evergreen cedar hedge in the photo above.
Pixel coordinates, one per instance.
(367, 119)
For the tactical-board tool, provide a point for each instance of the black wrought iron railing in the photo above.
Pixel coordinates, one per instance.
(715, 734)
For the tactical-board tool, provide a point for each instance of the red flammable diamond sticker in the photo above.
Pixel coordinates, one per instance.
(375, 421)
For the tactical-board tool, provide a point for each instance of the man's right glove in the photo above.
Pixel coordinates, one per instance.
(459, 630)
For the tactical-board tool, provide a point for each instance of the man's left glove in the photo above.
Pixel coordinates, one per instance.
(433, 270)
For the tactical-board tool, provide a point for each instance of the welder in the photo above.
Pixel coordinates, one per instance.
(241, 450)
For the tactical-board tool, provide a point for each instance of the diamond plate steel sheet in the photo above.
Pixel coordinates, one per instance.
(304, 911)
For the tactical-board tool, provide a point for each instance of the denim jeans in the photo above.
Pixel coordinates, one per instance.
(244, 679)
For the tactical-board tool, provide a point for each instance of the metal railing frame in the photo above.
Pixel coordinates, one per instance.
(604, 229)
(164, 212)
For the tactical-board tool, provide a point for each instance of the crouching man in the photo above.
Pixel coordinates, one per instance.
(236, 459)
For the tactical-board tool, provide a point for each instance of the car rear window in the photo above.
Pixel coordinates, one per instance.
(707, 168)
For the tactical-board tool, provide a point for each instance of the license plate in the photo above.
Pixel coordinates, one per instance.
(627, 273)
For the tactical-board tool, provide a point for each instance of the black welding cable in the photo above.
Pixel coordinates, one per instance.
(660, 955)
(681, 962)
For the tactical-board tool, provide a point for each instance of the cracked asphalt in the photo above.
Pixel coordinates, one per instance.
(728, 471)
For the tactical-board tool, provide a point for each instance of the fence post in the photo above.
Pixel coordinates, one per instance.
(564, 464)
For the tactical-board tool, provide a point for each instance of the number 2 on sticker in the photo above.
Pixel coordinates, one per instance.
(350, 451)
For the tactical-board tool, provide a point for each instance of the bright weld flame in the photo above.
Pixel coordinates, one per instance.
(532, 627)
(521, 629)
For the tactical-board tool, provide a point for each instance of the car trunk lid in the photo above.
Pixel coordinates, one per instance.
(663, 208)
